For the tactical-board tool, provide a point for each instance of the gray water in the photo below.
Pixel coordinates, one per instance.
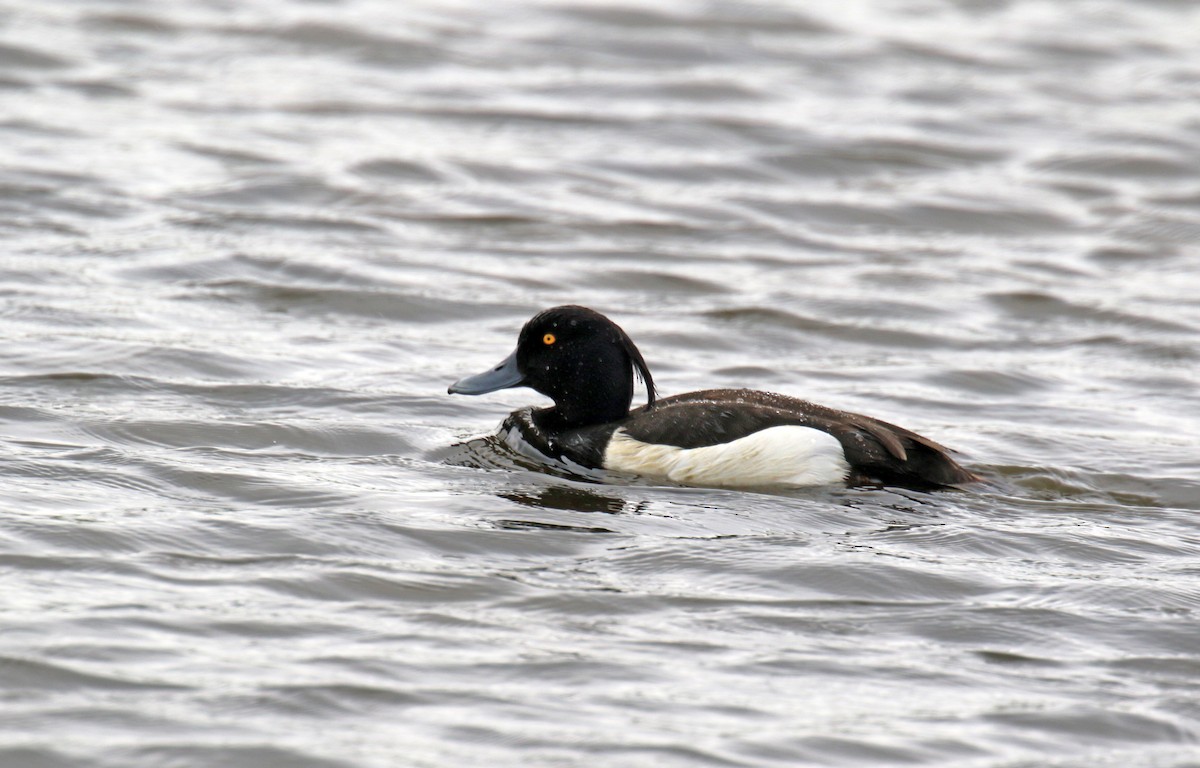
(246, 245)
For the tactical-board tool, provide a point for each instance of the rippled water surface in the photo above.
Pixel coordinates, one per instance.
(247, 245)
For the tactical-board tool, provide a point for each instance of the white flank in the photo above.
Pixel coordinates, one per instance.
(787, 455)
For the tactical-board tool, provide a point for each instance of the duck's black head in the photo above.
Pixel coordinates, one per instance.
(575, 356)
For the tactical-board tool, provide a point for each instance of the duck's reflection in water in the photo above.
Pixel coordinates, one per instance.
(568, 499)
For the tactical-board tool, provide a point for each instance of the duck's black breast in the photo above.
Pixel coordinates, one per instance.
(540, 429)
(873, 448)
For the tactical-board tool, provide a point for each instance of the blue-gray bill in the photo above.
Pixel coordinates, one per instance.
(503, 376)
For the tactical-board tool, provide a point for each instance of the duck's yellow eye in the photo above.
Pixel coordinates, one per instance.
(549, 339)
